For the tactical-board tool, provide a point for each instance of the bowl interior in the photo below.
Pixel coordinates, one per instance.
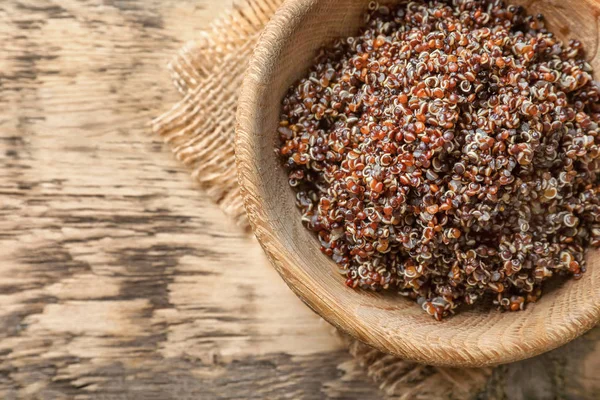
(474, 337)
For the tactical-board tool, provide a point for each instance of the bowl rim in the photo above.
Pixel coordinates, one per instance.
(270, 45)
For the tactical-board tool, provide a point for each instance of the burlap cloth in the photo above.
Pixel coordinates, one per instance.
(200, 129)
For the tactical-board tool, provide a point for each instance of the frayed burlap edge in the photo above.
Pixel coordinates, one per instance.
(200, 129)
(208, 73)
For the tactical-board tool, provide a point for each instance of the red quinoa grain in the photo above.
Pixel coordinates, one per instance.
(448, 151)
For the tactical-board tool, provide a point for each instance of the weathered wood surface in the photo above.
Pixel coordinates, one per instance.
(118, 278)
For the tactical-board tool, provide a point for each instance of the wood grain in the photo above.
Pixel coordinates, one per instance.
(475, 337)
(119, 279)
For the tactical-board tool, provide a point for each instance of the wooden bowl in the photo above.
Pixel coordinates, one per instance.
(474, 337)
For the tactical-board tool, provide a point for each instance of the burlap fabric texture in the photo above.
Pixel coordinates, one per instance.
(199, 130)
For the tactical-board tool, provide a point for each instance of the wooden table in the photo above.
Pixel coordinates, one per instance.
(119, 279)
